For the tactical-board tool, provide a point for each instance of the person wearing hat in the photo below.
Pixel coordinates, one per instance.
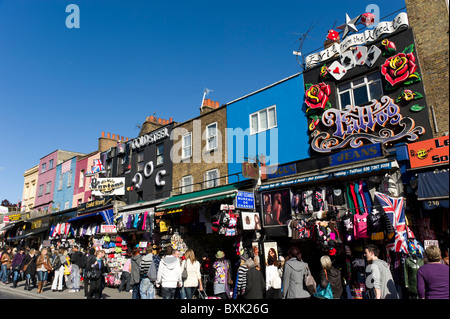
(222, 278)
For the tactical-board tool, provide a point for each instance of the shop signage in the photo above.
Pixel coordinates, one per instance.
(280, 171)
(108, 229)
(3, 210)
(401, 20)
(373, 123)
(93, 205)
(326, 176)
(429, 152)
(430, 242)
(107, 186)
(14, 217)
(150, 138)
(250, 170)
(357, 154)
(432, 204)
(137, 180)
(245, 200)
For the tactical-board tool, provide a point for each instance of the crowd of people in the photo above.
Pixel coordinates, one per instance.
(146, 274)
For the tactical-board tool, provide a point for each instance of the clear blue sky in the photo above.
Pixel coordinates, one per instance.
(60, 88)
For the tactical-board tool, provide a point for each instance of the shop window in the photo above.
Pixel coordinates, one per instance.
(360, 91)
(186, 146)
(186, 183)
(211, 137)
(212, 178)
(160, 154)
(263, 120)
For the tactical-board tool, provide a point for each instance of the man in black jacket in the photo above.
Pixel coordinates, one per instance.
(90, 259)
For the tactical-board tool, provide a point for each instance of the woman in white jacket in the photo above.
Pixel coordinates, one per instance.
(194, 277)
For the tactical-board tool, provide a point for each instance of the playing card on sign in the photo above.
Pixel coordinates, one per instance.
(360, 55)
(337, 70)
(372, 55)
(348, 60)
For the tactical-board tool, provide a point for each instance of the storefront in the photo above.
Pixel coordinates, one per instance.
(329, 205)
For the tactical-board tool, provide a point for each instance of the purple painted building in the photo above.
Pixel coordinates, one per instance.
(46, 178)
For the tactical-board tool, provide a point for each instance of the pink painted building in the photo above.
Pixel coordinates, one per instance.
(82, 193)
(46, 178)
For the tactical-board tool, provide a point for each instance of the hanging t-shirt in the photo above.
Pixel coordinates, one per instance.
(360, 226)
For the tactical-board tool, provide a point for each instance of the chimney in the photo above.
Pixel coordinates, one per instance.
(208, 106)
(111, 140)
(153, 123)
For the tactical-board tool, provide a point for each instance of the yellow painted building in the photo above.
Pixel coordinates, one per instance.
(29, 188)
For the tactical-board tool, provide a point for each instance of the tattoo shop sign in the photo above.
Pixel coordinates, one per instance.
(378, 122)
(401, 20)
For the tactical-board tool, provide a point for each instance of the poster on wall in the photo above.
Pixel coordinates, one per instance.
(276, 207)
(251, 221)
(270, 249)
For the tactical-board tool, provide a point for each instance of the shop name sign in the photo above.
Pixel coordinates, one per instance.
(89, 206)
(245, 200)
(357, 39)
(357, 154)
(429, 152)
(280, 171)
(107, 186)
(150, 138)
(378, 122)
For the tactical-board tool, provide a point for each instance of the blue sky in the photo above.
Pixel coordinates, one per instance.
(60, 87)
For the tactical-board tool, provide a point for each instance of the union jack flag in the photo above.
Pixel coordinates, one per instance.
(96, 167)
(394, 208)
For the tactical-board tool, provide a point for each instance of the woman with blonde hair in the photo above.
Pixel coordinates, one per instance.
(331, 275)
(43, 267)
(194, 277)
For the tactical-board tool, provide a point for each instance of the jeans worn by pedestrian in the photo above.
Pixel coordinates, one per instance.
(75, 277)
(168, 293)
(147, 289)
(4, 274)
(136, 294)
(189, 292)
(125, 281)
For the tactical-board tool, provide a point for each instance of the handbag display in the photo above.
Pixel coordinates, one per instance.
(310, 283)
(326, 293)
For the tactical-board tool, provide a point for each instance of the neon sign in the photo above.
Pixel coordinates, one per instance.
(377, 122)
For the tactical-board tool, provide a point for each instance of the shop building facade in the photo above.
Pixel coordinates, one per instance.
(29, 188)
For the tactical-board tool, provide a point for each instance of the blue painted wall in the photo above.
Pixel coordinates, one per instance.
(66, 193)
(287, 142)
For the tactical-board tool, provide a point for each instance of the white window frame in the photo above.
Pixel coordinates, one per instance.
(213, 137)
(140, 161)
(48, 187)
(184, 147)
(210, 183)
(187, 187)
(366, 83)
(43, 168)
(82, 177)
(69, 178)
(50, 164)
(258, 115)
(60, 182)
(41, 190)
(159, 155)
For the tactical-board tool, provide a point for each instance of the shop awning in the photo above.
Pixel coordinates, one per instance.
(108, 216)
(29, 234)
(433, 185)
(11, 225)
(203, 196)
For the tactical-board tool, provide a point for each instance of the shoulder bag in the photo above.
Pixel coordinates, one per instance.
(326, 293)
(310, 283)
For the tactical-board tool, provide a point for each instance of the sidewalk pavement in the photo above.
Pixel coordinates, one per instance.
(108, 292)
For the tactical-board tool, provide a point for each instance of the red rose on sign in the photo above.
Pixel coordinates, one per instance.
(317, 96)
(399, 68)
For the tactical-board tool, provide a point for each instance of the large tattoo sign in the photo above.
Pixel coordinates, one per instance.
(377, 122)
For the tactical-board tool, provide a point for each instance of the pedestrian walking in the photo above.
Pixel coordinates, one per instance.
(273, 279)
(207, 273)
(58, 266)
(242, 276)
(379, 281)
(6, 264)
(293, 276)
(433, 277)
(16, 266)
(43, 267)
(90, 259)
(194, 277)
(125, 277)
(331, 275)
(29, 269)
(146, 288)
(255, 285)
(135, 274)
(169, 274)
(222, 277)
(77, 260)
(99, 267)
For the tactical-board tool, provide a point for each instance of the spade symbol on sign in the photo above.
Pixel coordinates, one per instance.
(347, 61)
(371, 56)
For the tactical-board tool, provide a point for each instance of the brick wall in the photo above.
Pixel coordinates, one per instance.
(430, 23)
